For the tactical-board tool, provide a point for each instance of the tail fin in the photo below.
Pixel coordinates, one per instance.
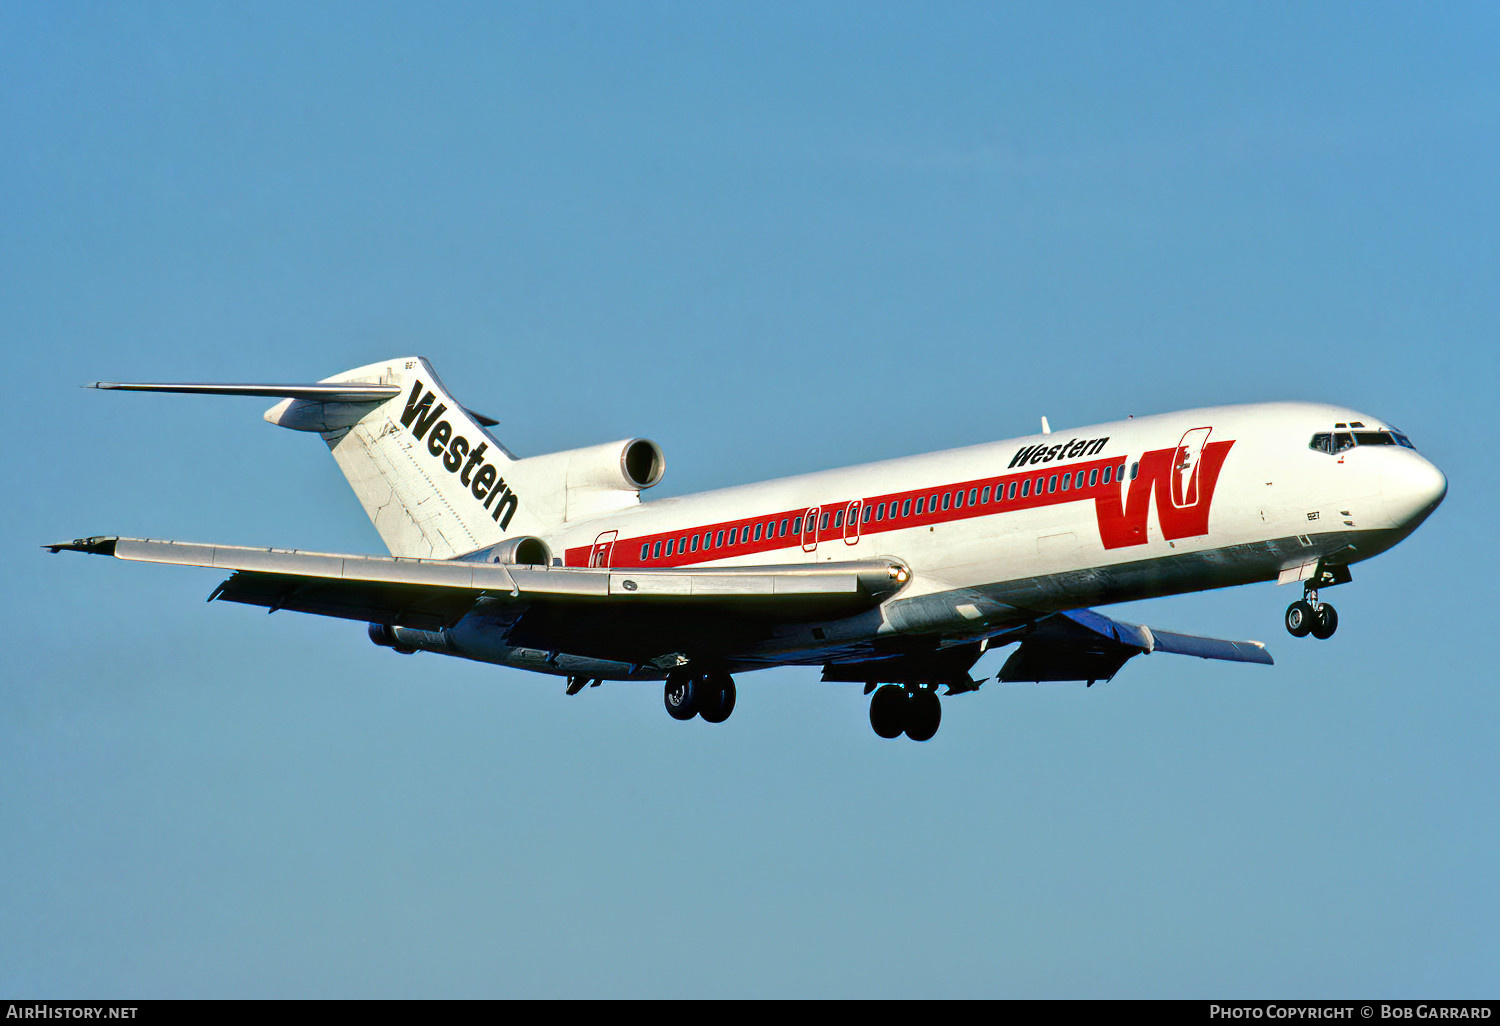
(433, 481)
(429, 476)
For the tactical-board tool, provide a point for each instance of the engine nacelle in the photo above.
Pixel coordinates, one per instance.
(384, 635)
(523, 550)
(631, 465)
(592, 480)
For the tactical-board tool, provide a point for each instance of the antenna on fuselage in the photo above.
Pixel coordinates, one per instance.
(1046, 428)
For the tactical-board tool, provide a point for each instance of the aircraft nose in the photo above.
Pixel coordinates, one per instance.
(1411, 488)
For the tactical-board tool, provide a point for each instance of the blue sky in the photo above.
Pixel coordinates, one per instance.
(773, 238)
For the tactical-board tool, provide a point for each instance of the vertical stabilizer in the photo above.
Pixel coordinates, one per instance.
(429, 476)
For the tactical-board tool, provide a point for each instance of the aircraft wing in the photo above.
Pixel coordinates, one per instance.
(631, 615)
(1082, 644)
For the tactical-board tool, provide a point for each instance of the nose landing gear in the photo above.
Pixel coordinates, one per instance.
(1309, 616)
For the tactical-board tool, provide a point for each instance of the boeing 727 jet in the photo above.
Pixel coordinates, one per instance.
(896, 575)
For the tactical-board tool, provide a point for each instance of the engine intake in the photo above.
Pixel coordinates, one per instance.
(642, 462)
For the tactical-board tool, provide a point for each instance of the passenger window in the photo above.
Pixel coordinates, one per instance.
(695, 543)
(757, 532)
(1135, 468)
(1025, 487)
(796, 525)
(880, 512)
(838, 520)
(984, 496)
(906, 508)
(646, 551)
(1109, 472)
(719, 540)
(783, 529)
(1010, 493)
(734, 535)
(921, 505)
(869, 512)
(823, 522)
(671, 542)
(1067, 478)
(932, 502)
(947, 500)
(1093, 477)
(656, 551)
(1052, 483)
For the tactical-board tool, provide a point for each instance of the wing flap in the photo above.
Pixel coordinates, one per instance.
(398, 605)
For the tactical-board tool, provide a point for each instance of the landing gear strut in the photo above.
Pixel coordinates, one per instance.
(709, 695)
(913, 711)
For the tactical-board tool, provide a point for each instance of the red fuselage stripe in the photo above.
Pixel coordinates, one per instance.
(1117, 505)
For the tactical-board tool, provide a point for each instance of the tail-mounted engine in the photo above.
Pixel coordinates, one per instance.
(592, 480)
(521, 551)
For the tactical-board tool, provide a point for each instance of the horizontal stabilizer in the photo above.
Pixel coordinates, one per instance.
(330, 392)
(319, 392)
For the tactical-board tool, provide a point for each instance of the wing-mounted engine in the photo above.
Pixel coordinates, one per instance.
(593, 480)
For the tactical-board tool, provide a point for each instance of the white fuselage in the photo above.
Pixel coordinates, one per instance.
(998, 533)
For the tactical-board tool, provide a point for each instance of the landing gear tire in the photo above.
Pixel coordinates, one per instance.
(924, 711)
(1325, 622)
(1300, 618)
(888, 711)
(716, 699)
(681, 696)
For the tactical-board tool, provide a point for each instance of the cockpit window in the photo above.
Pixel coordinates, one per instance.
(1335, 442)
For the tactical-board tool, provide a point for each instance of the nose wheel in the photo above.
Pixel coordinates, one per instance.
(1309, 616)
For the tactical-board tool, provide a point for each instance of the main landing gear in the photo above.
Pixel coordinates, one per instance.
(707, 695)
(1309, 616)
(914, 711)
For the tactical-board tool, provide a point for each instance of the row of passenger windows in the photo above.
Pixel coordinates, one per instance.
(895, 509)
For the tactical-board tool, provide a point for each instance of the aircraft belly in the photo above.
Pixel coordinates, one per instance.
(964, 604)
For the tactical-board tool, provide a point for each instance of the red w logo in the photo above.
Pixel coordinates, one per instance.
(1182, 482)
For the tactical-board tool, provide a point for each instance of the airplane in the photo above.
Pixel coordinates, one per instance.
(897, 575)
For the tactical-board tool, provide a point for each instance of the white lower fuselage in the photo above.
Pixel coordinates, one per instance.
(1006, 531)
